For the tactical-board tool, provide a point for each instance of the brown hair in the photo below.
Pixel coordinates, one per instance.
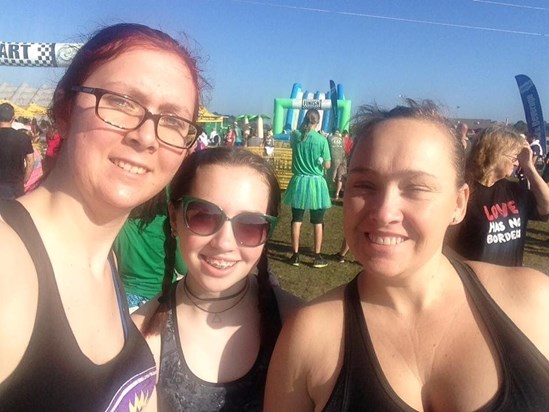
(369, 116)
(312, 118)
(181, 185)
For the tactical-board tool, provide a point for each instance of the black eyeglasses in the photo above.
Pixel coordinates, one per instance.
(204, 219)
(512, 158)
(125, 113)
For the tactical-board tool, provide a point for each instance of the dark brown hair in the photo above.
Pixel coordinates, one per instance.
(369, 116)
(181, 185)
(312, 118)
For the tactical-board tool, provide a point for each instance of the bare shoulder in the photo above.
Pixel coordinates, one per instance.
(18, 299)
(287, 303)
(18, 279)
(523, 294)
(307, 356)
(324, 313)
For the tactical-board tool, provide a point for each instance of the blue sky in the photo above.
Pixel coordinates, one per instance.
(463, 54)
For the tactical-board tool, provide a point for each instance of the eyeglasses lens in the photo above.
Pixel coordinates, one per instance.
(119, 111)
(250, 229)
(127, 114)
(204, 219)
(176, 131)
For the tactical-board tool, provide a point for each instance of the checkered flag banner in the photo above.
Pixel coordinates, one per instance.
(37, 54)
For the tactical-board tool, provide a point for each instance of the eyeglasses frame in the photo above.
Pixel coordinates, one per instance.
(186, 200)
(99, 93)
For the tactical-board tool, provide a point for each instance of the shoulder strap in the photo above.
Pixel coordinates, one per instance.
(16, 216)
(120, 294)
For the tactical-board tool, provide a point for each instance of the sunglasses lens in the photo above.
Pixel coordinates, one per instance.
(251, 229)
(203, 218)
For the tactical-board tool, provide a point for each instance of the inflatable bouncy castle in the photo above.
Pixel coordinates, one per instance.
(334, 109)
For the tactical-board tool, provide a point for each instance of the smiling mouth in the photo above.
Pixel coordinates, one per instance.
(385, 240)
(219, 263)
(128, 167)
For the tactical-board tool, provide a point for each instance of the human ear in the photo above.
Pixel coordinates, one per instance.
(172, 212)
(461, 204)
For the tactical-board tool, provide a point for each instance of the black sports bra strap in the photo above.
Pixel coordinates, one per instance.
(16, 216)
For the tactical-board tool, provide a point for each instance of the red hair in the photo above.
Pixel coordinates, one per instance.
(106, 44)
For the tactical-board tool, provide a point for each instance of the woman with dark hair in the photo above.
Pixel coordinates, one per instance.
(307, 189)
(415, 330)
(125, 109)
(213, 332)
(494, 228)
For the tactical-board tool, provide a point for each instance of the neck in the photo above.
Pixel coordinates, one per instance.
(222, 296)
(217, 309)
(80, 235)
(412, 293)
(202, 294)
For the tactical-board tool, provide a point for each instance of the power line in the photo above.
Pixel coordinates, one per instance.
(401, 19)
(521, 6)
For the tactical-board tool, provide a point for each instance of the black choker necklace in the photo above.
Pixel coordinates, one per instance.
(216, 317)
(234, 295)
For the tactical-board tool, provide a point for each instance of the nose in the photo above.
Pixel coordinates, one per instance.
(144, 137)
(385, 207)
(224, 238)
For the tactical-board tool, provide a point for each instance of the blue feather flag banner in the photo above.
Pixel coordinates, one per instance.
(335, 113)
(532, 108)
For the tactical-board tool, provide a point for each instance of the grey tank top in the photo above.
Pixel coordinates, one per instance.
(178, 389)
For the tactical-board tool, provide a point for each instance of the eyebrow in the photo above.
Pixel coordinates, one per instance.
(139, 96)
(410, 173)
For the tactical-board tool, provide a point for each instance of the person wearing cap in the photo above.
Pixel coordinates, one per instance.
(16, 155)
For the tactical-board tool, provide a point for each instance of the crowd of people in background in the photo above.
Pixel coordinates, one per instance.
(20, 169)
(234, 135)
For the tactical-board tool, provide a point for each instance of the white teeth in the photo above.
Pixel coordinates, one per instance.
(391, 240)
(220, 264)
(136, 170)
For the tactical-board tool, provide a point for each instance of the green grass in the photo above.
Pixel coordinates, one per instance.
(308, 282)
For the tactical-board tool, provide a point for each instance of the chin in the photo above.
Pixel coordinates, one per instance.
(131, 197)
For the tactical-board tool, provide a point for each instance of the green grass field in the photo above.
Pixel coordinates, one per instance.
(308, 282)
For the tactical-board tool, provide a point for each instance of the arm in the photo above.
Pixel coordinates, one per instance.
(539, 188)
(141, 318)
(287, 383)
(523, 294)
(308, 356)
(29, 166)
(327, 156)
(18, 300)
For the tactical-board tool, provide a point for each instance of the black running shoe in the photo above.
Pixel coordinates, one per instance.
(337, 256)
(319, 262)
(294, 260)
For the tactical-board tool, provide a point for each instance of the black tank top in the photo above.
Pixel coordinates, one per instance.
(54, 375)
(362, 386)
(178, 389)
